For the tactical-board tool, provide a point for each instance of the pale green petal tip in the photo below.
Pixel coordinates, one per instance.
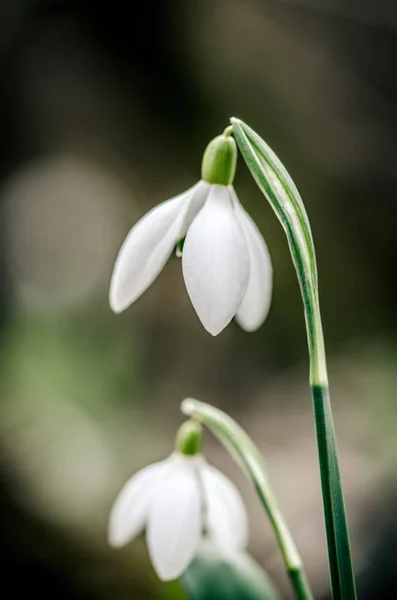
(220, 159)
(235, 121)
(189, 438)
(188, 406)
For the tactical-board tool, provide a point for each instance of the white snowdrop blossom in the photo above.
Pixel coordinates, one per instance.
(225, 262)
(178, 501)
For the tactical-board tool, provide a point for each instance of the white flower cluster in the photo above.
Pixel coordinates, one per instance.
(227, 272)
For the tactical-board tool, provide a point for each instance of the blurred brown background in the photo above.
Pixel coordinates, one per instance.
(105, 110)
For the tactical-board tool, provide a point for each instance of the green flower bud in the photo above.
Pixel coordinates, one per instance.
(189, 438)
(219, 160)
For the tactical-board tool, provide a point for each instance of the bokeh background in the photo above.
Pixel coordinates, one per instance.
(105, 110)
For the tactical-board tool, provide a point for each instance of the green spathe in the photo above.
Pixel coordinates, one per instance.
(189, 438)
(219, 160)
(277, 186)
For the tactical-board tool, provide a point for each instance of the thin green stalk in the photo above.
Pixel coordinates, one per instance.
(279, 189)
(299, 583)
(289, 551)
(247, 454)
(340, 562)
(341, 567)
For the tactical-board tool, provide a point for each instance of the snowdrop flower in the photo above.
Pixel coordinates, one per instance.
(179, 500)
(225, 261)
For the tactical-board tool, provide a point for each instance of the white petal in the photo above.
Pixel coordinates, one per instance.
(198, 199)
(149, 244)
(256, 303)
(226, 517)
(129, 512)
(175, 523)
(215, 261)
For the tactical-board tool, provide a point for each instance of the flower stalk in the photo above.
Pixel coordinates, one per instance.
(237, 441)
(281, 192)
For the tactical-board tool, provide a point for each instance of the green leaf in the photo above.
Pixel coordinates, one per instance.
(281, 192)
(217, 575)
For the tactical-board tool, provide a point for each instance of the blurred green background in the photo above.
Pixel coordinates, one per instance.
(105, 110)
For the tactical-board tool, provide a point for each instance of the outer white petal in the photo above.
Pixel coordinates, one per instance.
(129, 512)
(149, 244)
(215, 261)
(226, 517)
(196, 203)
(175, 522)
(256, 303)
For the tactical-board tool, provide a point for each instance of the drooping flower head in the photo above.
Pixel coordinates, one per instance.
(178, 501)
(225, 262)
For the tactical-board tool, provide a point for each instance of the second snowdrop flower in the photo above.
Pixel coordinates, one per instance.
(179, 500)
(225, 261)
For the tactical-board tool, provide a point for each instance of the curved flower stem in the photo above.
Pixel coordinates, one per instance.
(239, 444)
(289, 551)
(276, 184)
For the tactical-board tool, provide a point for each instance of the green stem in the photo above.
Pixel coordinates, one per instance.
(276, 184)
(299, 583)
(287, 547)
(340, 562)
(339, 555)
(286, 544)
(241, 445)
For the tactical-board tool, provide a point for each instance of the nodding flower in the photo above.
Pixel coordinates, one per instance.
(179, 501)
(225, 262)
